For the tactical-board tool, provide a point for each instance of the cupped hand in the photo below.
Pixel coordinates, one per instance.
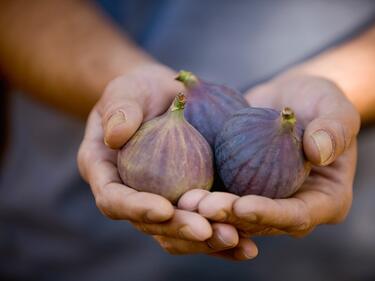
(331, 126)
(128, 101)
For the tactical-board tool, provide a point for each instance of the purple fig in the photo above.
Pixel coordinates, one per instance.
(259, 151)
(167, 156)
(209, 105)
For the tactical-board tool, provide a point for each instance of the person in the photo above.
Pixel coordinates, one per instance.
(67, 55)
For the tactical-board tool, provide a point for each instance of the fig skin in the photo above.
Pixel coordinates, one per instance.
(260, 152)
(167, 156)
(209, 105)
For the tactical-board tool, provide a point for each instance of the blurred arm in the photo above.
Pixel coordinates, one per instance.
(352, 67)
(62, 52)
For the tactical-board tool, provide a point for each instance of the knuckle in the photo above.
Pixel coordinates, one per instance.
(303, 221)
(304, 225)
(102, 204)
(268, 230)
(164, 230)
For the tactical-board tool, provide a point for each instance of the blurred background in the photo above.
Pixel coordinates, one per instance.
(50, 228)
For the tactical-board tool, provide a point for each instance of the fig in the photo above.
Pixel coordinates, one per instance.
(167, 156)
(209, 105)
(259, 151)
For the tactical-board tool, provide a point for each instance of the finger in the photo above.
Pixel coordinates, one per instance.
(190, 200)
(183, 225)
(323, 199)
(97, 166)
(224, 237)
(122, 115)
(332, 121)
(245, 250)
(327, 138)
(291, 214)
(92, 141)
(132, 99)
(217, 206)
(263, 231)
(119, 202)
(332, 132)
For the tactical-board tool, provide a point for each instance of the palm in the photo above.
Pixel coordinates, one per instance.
(128, 101)
(328, 187)
(326, 195)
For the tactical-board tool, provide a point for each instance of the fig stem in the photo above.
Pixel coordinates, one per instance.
(288, 117)
(187, 78)
(179, 102)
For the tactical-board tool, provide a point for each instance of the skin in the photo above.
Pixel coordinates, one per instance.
(95, 68)
(320, 91)
(67, 55)
(326, 195)
(114, 119)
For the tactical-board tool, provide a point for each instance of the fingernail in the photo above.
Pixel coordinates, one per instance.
(249, 254)
(225, 242)
(185, 232)
(116, 119)
(323, 142)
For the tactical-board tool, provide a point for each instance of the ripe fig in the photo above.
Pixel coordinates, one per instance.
(167, 156)
(259, 151)
(209, 104)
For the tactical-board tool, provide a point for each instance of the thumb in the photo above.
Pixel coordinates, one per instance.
(331, 133)
(120, 122)
(121, 108)
(127, 101)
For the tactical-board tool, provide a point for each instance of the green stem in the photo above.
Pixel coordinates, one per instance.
(179, 102)
(288, 118)
(187, 78)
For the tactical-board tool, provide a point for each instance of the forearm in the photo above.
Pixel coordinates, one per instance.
(352, 67)
(62, 52)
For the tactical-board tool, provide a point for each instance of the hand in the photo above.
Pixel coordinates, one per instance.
(331, 125)
(128, 101)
